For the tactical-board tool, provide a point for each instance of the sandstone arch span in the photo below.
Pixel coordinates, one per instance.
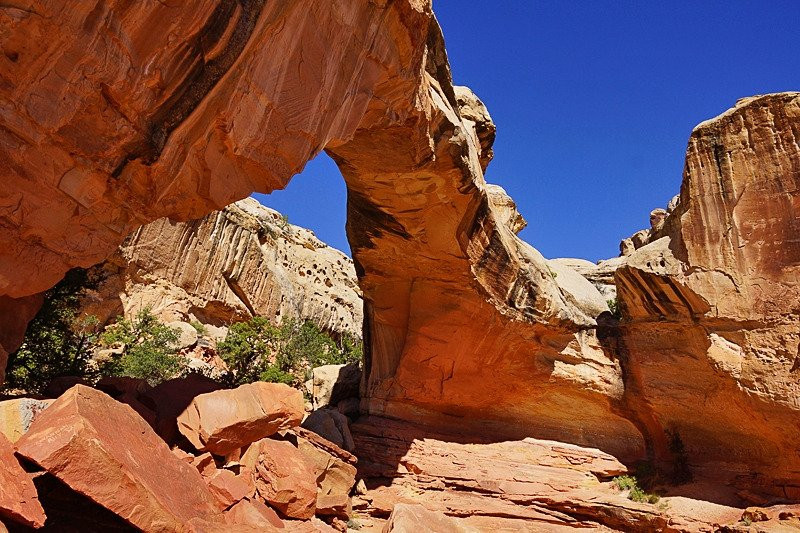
(115, 115)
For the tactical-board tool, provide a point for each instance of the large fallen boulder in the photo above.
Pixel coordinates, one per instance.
(331, 425)
(226, 420)
(18, 499)
(104, 450)
(335, 476)
(283, 477)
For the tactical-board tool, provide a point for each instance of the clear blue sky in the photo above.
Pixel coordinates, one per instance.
(594, 103)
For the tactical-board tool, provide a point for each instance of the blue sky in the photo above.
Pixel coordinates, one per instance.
(594, 103)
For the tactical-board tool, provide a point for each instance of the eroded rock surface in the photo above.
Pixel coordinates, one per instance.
(242, 261)
(103, 449)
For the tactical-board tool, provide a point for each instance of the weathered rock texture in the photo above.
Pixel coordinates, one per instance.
(104, 450)
(241, 261)
(527, 485)
(114, 115)
(18, 499)
(712, 309)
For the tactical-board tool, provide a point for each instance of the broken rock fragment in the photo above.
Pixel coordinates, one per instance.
(283, 477)
(101, 448)
(18, 499)
(225, 420)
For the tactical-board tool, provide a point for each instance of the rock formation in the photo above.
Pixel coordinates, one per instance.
(125, 114)
(241, 261)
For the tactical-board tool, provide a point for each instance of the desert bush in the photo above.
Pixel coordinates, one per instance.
(257, 350)
(635, 492)
(148, 349)
(58, 342)
(680, 458)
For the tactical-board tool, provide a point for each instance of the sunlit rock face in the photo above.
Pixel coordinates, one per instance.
(116, 115)
(245, 260)
(713, 307)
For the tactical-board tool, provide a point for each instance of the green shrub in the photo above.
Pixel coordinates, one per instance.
(149, 349)
(636, 493)
(247, 349)
(257, 350)
(57, 342)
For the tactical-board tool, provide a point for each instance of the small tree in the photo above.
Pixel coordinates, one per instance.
(257, 350)
(149, 348)
(247, 349)
(58, 342)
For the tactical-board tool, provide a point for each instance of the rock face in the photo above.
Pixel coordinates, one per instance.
(226, 420)
(180, 110)
(712, 307)
(103, 449)
(528, 485)
(18, 499)
(241, 261)
(17, 415)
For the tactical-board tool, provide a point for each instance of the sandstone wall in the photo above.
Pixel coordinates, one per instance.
(115, 115)
(242, 261)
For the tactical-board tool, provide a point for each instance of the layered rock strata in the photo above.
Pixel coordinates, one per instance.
(242, 261)
(128, 113)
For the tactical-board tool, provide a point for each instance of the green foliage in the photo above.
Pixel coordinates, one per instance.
(273, 374)
(149, 349)
(247, 349)
(614, 307)
(625, 482)
(57, 342)
(680, 458)
(257, 350)
(636, 493)
(198, 327)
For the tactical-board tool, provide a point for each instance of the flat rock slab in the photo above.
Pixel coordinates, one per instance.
(223, 421)
(104, 450)
(18, 499)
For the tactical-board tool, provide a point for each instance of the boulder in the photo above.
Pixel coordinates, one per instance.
(129, 391)
(412, 518)
(283, 477)
(187, 334)
(331, 425)
(224, 420)
(18, 499)
(577, 289)
(334, 475)
(17, 415)
(332, 383)
(170, 399)
(227, 487)
(101, 448)
(256, 514)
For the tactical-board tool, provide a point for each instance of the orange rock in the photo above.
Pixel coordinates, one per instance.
(18, 499)
(225, 420)
(170, 399)
(335, 478)
(227, 487)
(103, 449)
(410, 518)
(283, 477)
(255, 513)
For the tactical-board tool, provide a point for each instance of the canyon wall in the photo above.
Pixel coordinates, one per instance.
(245, 260)
(124, 114)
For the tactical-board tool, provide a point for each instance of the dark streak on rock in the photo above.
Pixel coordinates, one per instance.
(201, 80)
